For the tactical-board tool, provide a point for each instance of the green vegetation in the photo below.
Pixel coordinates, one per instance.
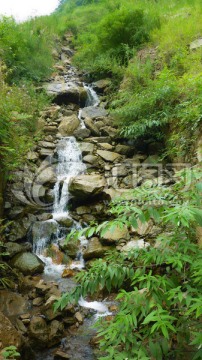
(10, 352)
(144, 45)
(159, 288)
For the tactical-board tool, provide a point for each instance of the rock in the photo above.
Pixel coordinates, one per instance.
(86, 148)
(38, 301)
(51, 130)
(105, 146)
(91, 159)
(120, 170)
(44, 229)
(124, 149)
(199, 149)
(101, 85)
(151, 160)
(12, 304)
(82, 133)
(18, 231)
(69, 92)
(94, 249)
(108, 155)
(14, 248)
(20, 326)
(92, 127)
(32, 155)
(143, 228)
(199, 236)
(93, 112)
(28, 263)
(68, 125)
(68, 273)
(86, 185)
(114, 234)
(81, 210)
(56, 329)
(134, 244)
(70, 247)
(38, 330)
(46, 144)
(8, 334)
(60, 355)
(196, 44)
(46, 175)
(67, 51)
(108, 131)
(79, 317)
(65, 221)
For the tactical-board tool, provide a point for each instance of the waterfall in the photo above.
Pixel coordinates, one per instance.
(92, 100)
(48, 232)
(69, 164)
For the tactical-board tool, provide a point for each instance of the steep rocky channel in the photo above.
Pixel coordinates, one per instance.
(77, 166)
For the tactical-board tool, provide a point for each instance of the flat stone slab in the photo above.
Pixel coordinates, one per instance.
(108, 155)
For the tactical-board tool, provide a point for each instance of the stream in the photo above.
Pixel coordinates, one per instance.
(69, 164)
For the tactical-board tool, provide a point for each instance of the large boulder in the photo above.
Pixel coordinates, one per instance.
(8, 334)
(134, 245)
(12, 304)
(68, 125)
(93, 112)
(43, 334)
(14, 248)
(87, 185)
(44, 230)
(65, 93)
(114, 234)
(101, 85)
(94, 249)
(27, 263)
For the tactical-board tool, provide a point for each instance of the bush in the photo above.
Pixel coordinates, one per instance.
(25, 49)
(159, 288)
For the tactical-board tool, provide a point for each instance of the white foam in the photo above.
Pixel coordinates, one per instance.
(94, 305)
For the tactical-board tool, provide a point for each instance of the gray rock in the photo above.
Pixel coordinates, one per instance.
(86, 148)
(124, 149)
(65, 221)
(46, 175)
(43, 229)
(46, 144)
(86, 185)
(14, 248)
(134, 244)
(196, 44)
(82, 133)
(68, 125)
(70, 247)
(27, 263)
(105, 146)
(94, 249)
(108, 131)
(91, 159)
(108, 155)
(92, 127)
(101, 85)
(114, 234)
(65, 93)
(93, 112)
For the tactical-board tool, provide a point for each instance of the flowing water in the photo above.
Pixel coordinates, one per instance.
(92, 100)
(69, 164)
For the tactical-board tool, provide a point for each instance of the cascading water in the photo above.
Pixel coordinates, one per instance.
(69, 164)
(92, 100)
